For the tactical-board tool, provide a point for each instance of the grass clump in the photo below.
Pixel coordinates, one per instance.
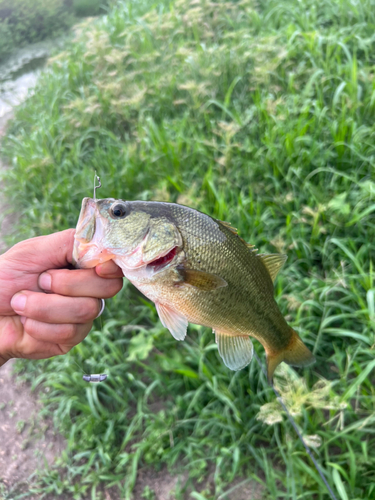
(260, 115)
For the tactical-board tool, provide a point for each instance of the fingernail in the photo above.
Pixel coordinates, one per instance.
(18, 302)
(23, 319)
(45, 281)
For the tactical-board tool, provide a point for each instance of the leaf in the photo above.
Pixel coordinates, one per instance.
(339, 485)
(140, 347)
(187, 373)
(359, 380)
(339, 204)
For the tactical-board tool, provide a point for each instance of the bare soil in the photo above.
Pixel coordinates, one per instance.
(28, 442)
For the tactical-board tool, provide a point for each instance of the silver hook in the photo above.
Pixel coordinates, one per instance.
(96, 177)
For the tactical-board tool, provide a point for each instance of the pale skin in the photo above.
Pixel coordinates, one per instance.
(45, 307)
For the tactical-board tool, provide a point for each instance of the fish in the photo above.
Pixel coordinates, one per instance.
(196, 269)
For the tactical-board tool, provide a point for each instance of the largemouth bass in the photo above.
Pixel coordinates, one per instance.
(195, 269)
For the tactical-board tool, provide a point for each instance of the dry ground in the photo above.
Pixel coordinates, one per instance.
(28, 442)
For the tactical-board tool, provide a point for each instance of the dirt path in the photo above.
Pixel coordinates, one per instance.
(26, 440)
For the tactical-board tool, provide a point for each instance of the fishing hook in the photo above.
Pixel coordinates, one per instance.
(96, 177)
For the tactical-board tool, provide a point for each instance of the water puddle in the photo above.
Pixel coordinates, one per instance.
(19, 74)
(18, 77)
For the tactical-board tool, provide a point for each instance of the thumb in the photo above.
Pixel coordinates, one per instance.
(109, 270)
(36, 255)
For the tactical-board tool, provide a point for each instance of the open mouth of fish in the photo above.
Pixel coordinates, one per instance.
(160, 263)
(90, 248)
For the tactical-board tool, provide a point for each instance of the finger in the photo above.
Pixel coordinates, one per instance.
(53, 308)
(109, 270)
(79, 283)
(66, 335)
(44, 252)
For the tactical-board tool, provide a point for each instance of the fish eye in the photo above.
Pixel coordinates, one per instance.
(118, 211)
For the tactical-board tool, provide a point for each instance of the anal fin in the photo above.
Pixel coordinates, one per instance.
(236, 351)
(174, 321)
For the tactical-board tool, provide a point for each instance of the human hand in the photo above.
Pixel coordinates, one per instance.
(45, 308)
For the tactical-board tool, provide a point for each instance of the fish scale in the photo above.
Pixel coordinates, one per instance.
(195, 269)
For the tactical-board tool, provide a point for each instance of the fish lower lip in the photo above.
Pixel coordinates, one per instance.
(162, 262)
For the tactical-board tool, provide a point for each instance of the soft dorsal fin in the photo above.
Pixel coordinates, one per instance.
(229, 226)
(273, 262)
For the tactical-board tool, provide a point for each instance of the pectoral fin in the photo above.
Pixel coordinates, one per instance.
(174, 321)
(200, 279)
(236, 351)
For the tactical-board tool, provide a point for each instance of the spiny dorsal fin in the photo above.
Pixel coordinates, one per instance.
(233, 230)
(273, 262)
(229, 226)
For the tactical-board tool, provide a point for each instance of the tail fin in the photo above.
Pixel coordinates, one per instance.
(295, 353)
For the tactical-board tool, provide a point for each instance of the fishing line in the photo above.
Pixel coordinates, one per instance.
(294, 425)
(102, 377)
(92, 377)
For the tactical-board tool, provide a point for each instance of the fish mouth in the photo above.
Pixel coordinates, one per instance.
(161, 263)
(87, 249)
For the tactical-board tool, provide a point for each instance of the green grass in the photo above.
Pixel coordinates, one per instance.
(258, 114)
